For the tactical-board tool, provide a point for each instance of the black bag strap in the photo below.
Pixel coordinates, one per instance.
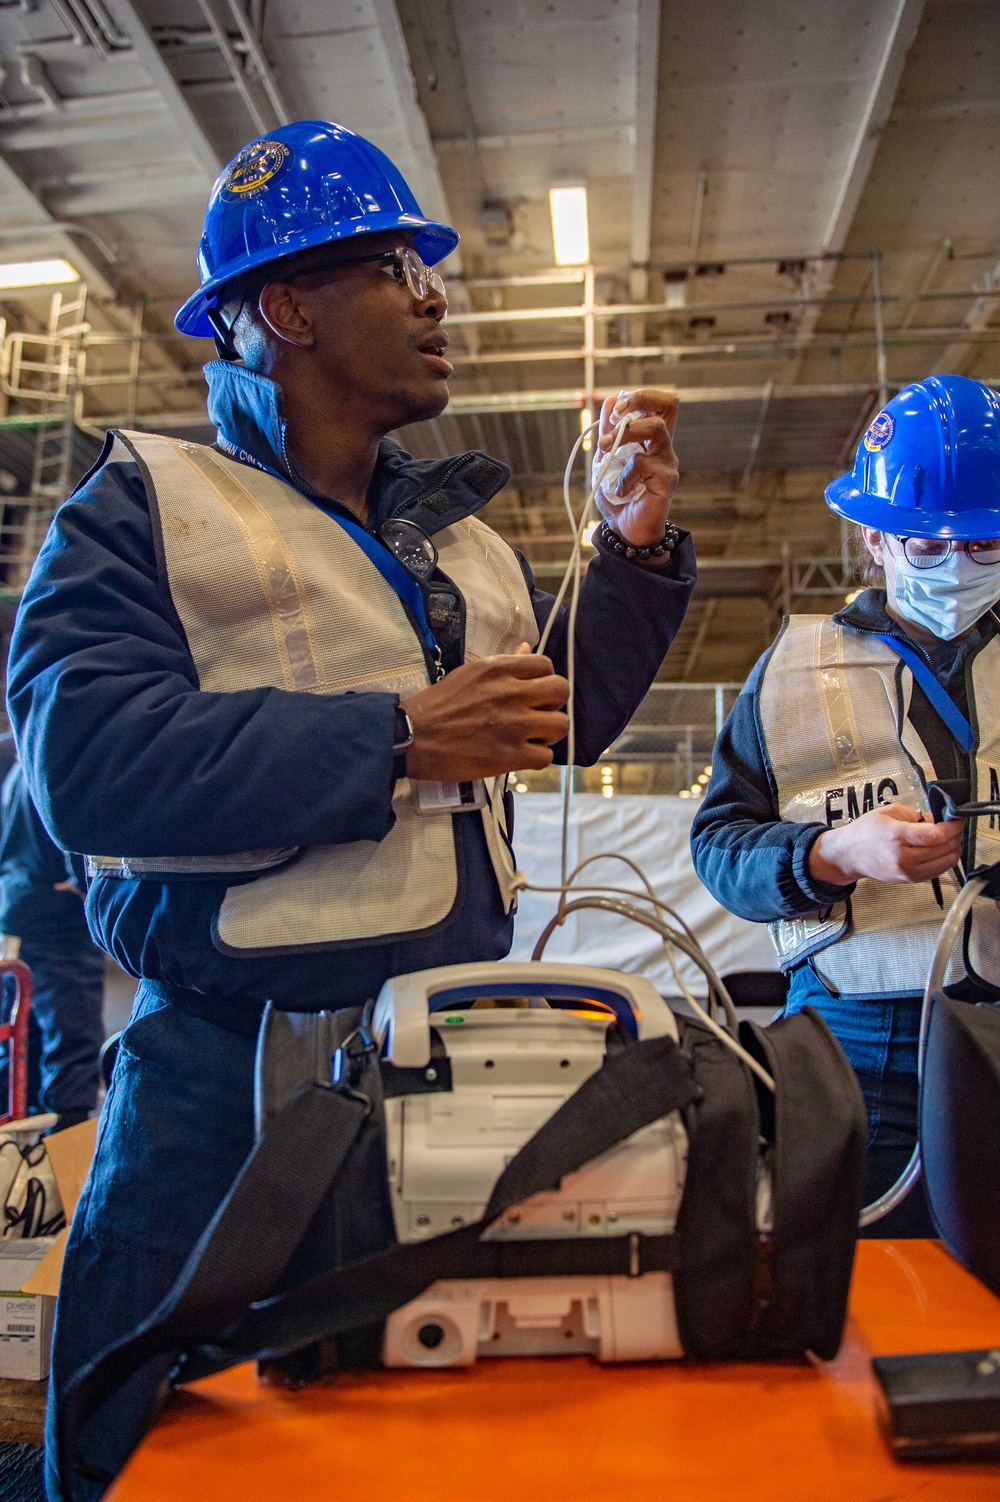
(632, 1090)
(227, 1270)
(226, 1273)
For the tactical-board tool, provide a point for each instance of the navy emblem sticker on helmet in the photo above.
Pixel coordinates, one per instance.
(879, 432)
(254, 166)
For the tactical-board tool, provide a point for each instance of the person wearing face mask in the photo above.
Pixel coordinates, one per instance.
(816, 819)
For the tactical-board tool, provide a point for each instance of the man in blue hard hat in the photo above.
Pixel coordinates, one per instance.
(273, 688)
(816, 819)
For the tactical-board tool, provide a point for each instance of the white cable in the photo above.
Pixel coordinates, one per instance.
(616, 855)
(689, 944)
(574, 573)
(950, 930)
(694, 953)
(522, 884)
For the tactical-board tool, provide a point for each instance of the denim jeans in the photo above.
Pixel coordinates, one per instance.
(879, 1035)
(175, 1129)
(65, 1025)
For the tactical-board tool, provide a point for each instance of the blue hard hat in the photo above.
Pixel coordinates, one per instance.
(302, 185)
(929, 464)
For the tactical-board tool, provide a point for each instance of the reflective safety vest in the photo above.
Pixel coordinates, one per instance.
(272, 593)
(832, 706)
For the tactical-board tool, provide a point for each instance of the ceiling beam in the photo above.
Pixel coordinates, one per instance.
(957, 356)
(870, 125)
(30, 227)
(647, 67)
(147, 187)
(148, 53)
(531, 139)
(873, 119)
(259, 89)
(427, 184)
(946, 109)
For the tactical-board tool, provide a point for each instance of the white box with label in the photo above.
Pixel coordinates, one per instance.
(25, 1318)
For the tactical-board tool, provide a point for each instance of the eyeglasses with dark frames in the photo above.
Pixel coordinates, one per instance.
(929, 552)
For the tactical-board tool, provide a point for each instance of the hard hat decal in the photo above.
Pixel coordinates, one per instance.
(879, 432)
(255, 166)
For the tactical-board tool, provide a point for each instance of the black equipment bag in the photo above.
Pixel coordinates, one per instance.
(331, 1271)
(960, 1131)
(959, 1109)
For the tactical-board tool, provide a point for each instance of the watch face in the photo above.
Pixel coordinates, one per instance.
(411, 546)
(404, 731)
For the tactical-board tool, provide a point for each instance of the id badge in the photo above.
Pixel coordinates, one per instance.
(450, 797)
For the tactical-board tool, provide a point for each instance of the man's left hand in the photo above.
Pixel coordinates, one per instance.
(642, 522)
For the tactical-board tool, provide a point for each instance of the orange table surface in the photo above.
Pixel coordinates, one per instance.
(524, 1430)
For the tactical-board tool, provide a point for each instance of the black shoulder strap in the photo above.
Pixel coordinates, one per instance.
(228, 1271)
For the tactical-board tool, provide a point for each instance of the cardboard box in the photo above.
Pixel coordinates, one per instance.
(25, 1318)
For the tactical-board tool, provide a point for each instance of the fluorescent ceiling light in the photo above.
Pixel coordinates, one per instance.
(37, 274)
(570, 235)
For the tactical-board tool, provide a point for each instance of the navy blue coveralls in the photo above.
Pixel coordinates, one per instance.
(126, 756)
(67, 968)
(756, 865)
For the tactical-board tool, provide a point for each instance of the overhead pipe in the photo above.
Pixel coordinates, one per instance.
(261, 65)
(225, 46)
(880, 357)
(737, 347)
(699, 204)
(34, 231)
(944, 249)
(646, 309)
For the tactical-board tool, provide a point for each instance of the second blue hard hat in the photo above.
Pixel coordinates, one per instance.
(928, 464)
(302, 185)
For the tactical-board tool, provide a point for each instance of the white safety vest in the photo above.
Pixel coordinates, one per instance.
(833, 709)
(271, 592)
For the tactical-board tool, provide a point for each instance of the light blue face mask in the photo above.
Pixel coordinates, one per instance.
(947, 599)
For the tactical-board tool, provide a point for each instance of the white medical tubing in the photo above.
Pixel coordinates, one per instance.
(950, 931)
(608, 898)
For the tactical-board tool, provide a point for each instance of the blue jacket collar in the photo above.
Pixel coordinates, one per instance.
(246, 409)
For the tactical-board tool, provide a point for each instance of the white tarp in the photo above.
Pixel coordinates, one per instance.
(654, 832)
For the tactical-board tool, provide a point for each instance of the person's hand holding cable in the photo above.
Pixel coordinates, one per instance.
(490, 716)
(893, 844)
(636, 508)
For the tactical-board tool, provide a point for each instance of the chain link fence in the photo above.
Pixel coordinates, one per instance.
(666, 747)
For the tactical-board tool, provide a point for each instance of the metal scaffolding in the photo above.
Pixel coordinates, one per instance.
(43, 370)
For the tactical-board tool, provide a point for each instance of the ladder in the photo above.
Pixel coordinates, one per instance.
(50, 379)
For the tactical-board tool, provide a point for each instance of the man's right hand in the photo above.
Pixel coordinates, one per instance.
(494, 715)
(888, 844)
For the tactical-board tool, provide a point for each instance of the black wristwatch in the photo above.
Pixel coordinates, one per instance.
(402, 741)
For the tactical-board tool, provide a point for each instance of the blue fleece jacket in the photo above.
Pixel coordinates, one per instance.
(32, 868)
(126, 755)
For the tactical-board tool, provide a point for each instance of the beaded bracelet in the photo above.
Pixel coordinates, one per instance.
(616, 544)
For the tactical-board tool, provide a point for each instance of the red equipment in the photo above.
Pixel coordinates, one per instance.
(15, 1034)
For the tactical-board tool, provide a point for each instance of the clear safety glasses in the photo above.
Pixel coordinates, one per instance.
(405, 265)
(928, 552)
(402, 264)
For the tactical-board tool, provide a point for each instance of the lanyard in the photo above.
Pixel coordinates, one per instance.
(403, 584)
(392, 571)
(939, 698)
